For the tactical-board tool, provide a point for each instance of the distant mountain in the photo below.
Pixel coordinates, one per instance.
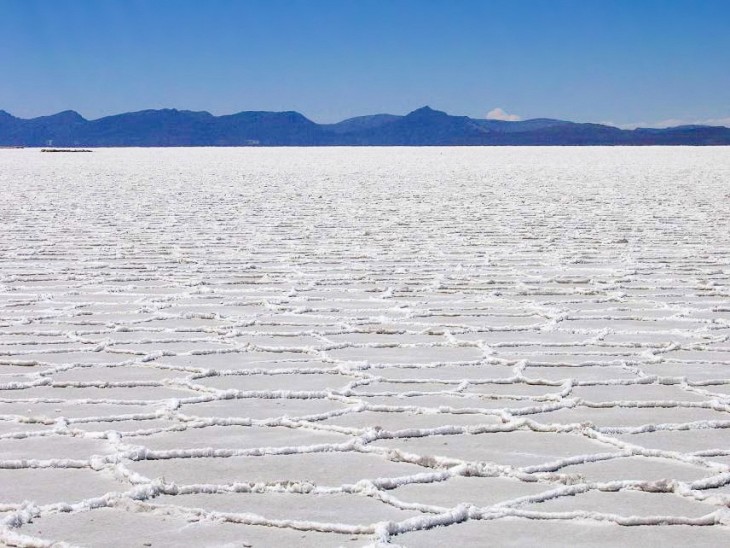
(422, 127)
(267, 129)
(360, 123)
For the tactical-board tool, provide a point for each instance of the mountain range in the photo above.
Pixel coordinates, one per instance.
(422, 127)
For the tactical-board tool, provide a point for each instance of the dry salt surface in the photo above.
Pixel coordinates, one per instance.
(349, 347)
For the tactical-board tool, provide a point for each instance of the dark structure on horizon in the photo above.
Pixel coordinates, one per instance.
(422, 127)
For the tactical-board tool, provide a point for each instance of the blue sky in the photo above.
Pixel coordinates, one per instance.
(625, 62)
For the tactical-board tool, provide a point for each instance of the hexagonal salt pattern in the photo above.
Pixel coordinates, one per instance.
(338, 347)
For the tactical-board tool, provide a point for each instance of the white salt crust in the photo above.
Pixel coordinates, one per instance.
(365, 347)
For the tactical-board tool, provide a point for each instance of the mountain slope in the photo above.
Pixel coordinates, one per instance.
(361, 123)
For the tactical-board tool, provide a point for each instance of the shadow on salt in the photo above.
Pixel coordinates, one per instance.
(636, 468)
(407, 354)
(617, 418)
(512, 448)
(229, 361)
(339, 508)
(626, 503)
(289, 381)
(235, 437)
(56, 485)
(119, 528)
(515, 532)
(479, 491)
(331, 469)
(265, 408)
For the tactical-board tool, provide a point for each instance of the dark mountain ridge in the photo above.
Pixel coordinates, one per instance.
(422, 127)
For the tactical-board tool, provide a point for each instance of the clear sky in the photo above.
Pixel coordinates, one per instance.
(625, 62)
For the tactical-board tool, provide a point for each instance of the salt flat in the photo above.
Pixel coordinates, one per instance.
(348, 347)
